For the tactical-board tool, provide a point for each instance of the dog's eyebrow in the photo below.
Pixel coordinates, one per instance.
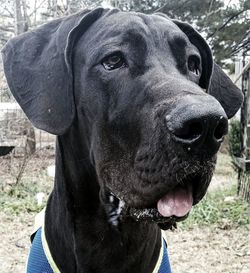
(177, 40)
(178, 45)
(105, 49)
(135, 38)
(129, 40)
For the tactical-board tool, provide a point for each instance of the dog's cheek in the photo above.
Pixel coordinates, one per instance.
(120, 179)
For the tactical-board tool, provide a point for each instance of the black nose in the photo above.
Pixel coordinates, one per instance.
(199, 129)
(200, 125)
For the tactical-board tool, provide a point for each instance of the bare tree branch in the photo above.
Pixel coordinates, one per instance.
(214, 12)
(7, 29)
(10, 13)
(37, 7)
(8, 16)
(210, 6)
(226, 23)
(174, 9)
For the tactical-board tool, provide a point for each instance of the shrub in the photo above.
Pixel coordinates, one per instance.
(234, 138)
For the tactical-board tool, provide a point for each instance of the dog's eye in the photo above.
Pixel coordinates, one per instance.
(194, 65)
(114, 61)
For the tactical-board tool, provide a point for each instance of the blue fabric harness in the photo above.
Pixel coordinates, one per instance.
(38, 261)
(165, 265)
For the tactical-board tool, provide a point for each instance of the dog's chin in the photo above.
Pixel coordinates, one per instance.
(174, 205)
(164, 206)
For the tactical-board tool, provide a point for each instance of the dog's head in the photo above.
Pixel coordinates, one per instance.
(151, 104)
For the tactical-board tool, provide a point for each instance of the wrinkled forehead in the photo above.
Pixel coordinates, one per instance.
(122, 27)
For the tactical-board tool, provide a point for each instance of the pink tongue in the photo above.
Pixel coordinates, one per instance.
(177, 202)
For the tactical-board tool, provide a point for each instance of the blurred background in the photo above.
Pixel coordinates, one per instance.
(216, 236)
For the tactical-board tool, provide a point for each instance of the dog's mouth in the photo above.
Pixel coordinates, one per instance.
(177, 202)
(175, 206)
(167, 202)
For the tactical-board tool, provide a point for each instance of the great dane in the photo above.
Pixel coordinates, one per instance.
(140, 110)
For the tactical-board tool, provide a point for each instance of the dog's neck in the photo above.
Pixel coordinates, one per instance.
(77, 229)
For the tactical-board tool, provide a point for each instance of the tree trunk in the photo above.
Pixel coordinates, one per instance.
(18, 17)
(25, 16)
(54, 8)
(21, 18)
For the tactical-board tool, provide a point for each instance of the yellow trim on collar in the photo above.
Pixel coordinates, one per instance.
(40, 222)
(159, 261)
(47, 252)
(164, 236)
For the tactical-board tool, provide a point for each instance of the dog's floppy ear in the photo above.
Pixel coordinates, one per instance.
(205, 52)
(225, 91)
(213, 79)
(37, 66)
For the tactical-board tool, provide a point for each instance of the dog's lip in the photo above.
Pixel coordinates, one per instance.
(175, 206)
(195, 184)
(153, 215)
(191, 191)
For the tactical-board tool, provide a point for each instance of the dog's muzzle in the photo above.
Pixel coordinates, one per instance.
(171, 208)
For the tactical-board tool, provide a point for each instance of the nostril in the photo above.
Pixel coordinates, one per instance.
(195, 130)
(190, 131)
(221, 129)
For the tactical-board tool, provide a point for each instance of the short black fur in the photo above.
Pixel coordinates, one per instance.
(124, 136)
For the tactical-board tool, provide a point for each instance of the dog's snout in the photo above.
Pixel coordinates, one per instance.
(201, 126)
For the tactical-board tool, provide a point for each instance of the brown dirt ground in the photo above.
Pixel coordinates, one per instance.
(200, 250)
(209, 250)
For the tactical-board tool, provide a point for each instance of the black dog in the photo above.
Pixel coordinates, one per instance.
(138, 126)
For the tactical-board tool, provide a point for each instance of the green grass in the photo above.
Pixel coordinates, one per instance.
(215, 210)
(13, 206)
(21, 198)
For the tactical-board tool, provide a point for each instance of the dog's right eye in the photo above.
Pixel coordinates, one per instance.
(114, 61)
(194, 65)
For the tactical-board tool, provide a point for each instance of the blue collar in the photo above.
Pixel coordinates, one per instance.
(163, 265)
(40, 259)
